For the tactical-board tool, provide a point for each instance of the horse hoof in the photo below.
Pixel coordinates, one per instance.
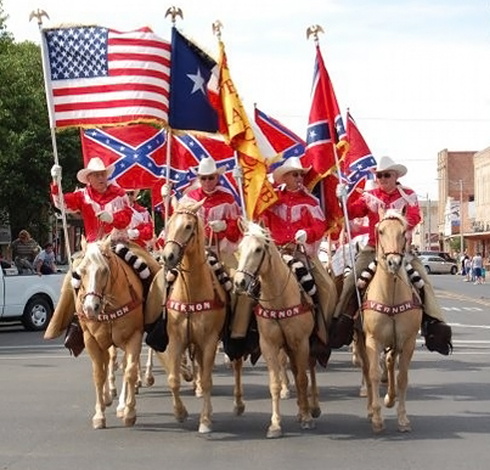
(204, 428)
(389, 402)
(285, 394)
(274, 433)
(98, 423)
(363, 392)
(378, 427)
(316, 412)
(149, 381)
(404, 427)
(307, 425)
(182, 416)
(238, 410)
(120, 412)
(129, 422)
(114, 393)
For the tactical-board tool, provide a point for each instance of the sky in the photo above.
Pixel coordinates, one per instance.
(415, 75)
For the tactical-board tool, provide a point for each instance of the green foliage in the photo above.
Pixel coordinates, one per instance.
(26, 152)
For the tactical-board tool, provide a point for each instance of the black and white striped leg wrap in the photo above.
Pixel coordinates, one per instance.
(76, 280)
(171, 275)
(365, 277)
(414, 276)
(219, 270)
(133, 260)
(302, 274)
(347, 271)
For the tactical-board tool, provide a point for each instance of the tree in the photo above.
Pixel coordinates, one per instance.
(26, 153)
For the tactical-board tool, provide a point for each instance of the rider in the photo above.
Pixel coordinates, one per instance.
(297, 218)
(141, 226)
(219, 212)
(389, 194)
(104, 207)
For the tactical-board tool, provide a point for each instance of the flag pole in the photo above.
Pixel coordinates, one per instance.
(313, 31)
(168, 161)
(38, 14)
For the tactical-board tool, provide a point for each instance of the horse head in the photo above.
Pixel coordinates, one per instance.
(391, 233)
(184, 233)
(93, 274)
(254, 248)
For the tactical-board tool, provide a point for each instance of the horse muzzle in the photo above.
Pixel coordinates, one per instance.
(394, 262)
(241, 282)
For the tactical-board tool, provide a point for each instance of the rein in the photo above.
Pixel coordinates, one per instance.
(385, 254)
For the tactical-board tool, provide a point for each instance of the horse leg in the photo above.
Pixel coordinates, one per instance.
(149, 378)
(238, 404)
(174, 359)
(283, 361)
(111, 388)
(389, 361)
(271, 355)
(402, 384)
(205, 359)
(373, 352)
(299, 357)
(132, 356)
(100, 363)
(314, 394)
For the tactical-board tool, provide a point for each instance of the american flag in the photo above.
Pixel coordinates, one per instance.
(97, 76)
(137, 152)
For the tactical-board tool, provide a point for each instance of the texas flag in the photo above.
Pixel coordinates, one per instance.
(326, 144)
(137, 151)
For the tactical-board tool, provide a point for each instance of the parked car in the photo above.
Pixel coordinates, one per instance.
(443, 254)
(436, 265)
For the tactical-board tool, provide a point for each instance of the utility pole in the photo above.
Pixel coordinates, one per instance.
(429, 238)
(461, 237)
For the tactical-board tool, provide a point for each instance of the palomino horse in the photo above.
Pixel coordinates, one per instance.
(391, 317)
(195, 308)
(284, 319)
(109, 305)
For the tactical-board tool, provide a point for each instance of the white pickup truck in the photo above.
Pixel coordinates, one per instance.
(28, 297)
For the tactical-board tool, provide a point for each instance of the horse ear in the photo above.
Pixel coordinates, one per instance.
(83, 243)
(404, 210)
(242, 224)
(174, 202)
(381, 212)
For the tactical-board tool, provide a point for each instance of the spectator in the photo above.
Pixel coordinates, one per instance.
(24, 249)
(45, 261)
(477, 265)
(467, 269)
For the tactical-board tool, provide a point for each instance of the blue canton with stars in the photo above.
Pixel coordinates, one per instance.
(79, 52)
(359, 170)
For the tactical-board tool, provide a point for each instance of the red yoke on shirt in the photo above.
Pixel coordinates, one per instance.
(371, 201)
(89, 202)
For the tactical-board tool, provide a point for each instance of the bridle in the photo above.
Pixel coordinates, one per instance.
(385, 254)
(183, 245)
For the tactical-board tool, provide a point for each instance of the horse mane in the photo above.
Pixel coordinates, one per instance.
(256, 230)
(93, 254)
(394, 214)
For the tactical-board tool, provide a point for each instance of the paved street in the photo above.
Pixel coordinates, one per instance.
(47, 404)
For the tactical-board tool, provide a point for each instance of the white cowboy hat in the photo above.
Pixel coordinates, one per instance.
(387, 164)
(207, 166)
(291, 164)
(95, 164)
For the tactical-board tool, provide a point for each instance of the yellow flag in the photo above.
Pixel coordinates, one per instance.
(235, 126)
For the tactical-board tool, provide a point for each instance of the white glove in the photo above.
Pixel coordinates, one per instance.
(133, 233)
(56, 172)
(341, 191)
(300, 236)
(237, 173)
(105, 216)
(217, 225)
(165, 191)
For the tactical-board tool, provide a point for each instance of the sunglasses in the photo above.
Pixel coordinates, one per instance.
(130, 193)
(384, 175)
(295, 174)
(207, 178)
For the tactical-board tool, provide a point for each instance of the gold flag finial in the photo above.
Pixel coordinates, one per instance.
(39, 15)
(313, 30)
(217, 27)
(173, 12)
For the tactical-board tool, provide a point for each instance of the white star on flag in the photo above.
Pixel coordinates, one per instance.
(198, 82)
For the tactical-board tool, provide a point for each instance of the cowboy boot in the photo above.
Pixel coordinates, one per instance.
(437, 335)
